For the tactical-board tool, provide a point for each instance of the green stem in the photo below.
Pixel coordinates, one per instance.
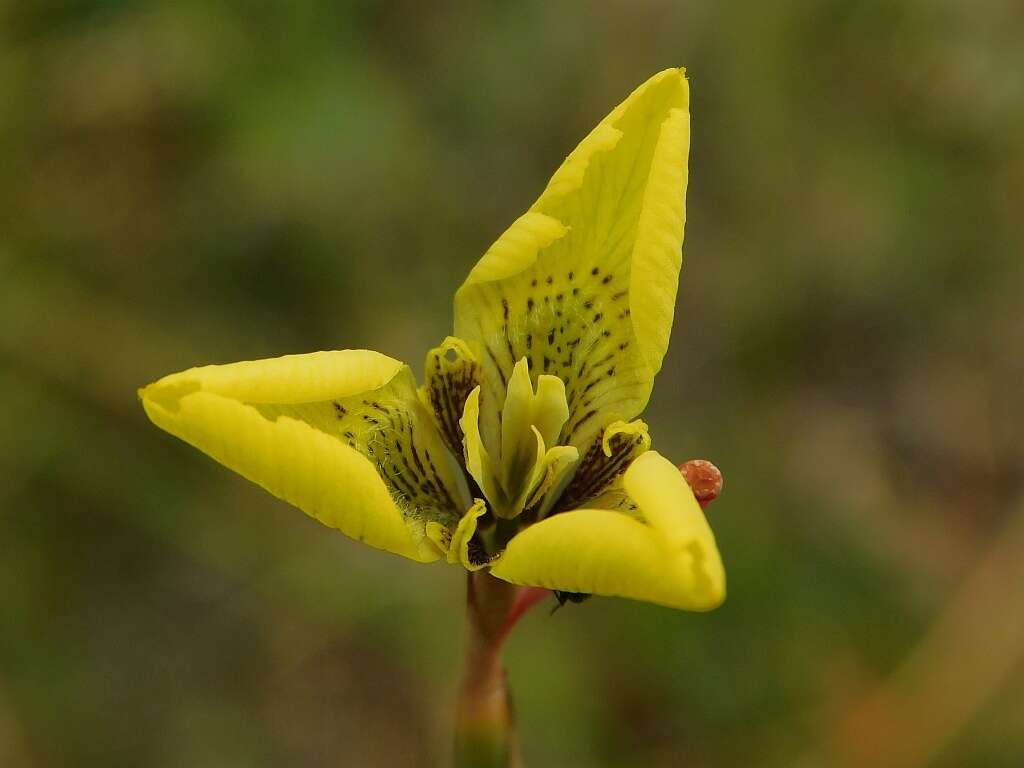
(484, 733)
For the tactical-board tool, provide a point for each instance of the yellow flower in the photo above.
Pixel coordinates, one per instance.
(518, 453)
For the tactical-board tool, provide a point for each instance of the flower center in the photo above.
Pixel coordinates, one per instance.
(511, 444)
(520, 465)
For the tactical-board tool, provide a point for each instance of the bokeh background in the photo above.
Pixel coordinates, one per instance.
(196, 182)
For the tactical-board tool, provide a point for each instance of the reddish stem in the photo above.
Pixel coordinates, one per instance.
(484, 735)
(526, 598)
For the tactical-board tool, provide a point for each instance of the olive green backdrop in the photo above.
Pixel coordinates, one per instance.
(192, 182)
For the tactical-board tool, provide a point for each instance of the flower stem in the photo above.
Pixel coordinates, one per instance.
(484, 727)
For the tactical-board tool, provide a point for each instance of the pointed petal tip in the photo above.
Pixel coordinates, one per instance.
(677, 74)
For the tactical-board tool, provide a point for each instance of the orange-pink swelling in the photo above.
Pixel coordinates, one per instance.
(704, 479)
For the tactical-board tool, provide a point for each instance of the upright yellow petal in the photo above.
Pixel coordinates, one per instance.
(583, 285)
(341, 435)
(669, 557)
(531, 422)
(479, 464)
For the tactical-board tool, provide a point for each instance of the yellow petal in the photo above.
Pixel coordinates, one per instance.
(669, 558)
(551, 474)
(548, 467)
(517, 247)
(342, 436)
(478, 458)
(517, 438)
(583, 285)
(530, 422)
(291, 379)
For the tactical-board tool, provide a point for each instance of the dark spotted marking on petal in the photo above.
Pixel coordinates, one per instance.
(598, 471)
(548, 308)
(448, 384)
(387, 430)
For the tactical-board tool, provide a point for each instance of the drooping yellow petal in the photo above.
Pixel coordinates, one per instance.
(670, 557)
(583, 285)
(667, 503)
(341, 435)
(291, 379)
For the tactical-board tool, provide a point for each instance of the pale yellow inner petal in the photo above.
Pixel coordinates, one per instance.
(527, 456)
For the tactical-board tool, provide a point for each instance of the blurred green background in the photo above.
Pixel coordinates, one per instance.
(197, 182)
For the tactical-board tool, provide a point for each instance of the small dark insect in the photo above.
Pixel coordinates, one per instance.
(477, 552)
(568, 597)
